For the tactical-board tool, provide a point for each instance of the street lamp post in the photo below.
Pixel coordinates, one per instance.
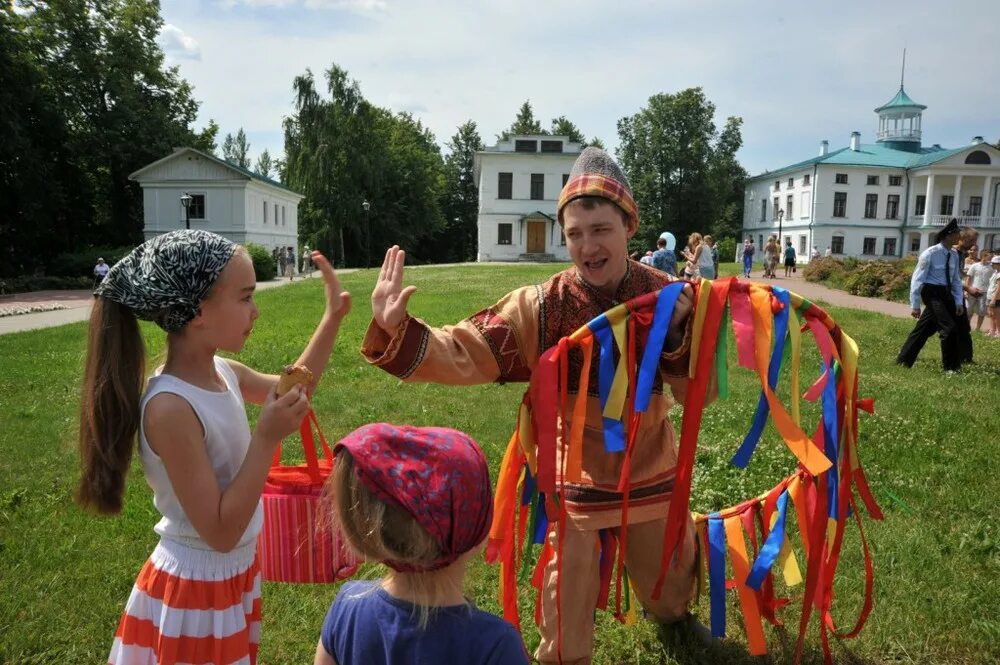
(186, 202)
(368, 233)
(781, 216)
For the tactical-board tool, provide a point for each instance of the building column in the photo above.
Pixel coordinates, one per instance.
(956, 208)
(984, 210)
(929, 200)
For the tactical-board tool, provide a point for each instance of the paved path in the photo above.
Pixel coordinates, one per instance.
(818, 292)
(78, 303)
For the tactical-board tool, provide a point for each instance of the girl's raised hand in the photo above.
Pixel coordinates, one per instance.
(389, 298)
(338, 301)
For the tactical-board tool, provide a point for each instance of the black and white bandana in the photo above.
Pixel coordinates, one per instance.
(166, 278)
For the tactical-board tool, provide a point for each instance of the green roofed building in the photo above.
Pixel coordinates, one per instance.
(881, 199)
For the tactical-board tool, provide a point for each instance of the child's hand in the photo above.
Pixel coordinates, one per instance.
(389, 298)
(282, 415)
(338, 302)
(678, 320)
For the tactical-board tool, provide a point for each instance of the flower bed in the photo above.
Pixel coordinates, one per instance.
(15, 310)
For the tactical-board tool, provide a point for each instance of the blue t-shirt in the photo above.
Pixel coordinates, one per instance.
(665, 261)
(367, 625)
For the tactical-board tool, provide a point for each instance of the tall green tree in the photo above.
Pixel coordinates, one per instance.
(563, 126)
(524, 123)
(341, 151)
(236, 149)
(265, 165)
(121, 106)
(45, 193)
(458, 241)
(683, 173)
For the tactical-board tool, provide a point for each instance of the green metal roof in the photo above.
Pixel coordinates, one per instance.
(901, 100)
(871, 154)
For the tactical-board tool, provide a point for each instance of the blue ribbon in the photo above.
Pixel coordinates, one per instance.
(830, 434)
(742, 457)
(530, 487)
(614, 430)
(541, 521)
(650, 365)
(717, 574)
(771, 548)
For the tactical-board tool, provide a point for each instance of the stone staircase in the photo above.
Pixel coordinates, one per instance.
(537, 258)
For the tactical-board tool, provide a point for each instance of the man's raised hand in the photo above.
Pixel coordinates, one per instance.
(389, 298)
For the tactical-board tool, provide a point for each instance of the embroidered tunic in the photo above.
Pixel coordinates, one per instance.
(504, 342)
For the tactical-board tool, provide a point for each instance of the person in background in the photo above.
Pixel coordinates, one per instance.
(967, 240)
(290, 262)
(100, 272)
(647, 259)
(664, 259)
(815, 253)
(748, 250)
(307, 261)
(828, 252)
(789, 258)
(280, 258)
(771, 255)
(993, 297)
(977, 282)
(715, 254)
(703, 258)
(937, 283)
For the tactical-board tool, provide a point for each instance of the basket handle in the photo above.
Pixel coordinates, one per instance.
(308, 447)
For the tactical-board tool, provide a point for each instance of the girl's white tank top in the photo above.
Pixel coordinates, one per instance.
(227, 438)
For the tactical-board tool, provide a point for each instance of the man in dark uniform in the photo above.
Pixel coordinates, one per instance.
(937, 282)
(966, 241)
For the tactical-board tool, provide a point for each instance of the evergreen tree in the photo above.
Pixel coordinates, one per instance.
(236, 149)
(264, 164)
(524, 123)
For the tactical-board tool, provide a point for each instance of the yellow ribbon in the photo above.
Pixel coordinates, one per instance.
(700, 312)
(618, 318)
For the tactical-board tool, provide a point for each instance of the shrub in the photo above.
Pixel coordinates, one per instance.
(727, 250)
(263, 262)
(823, 269)
(28, 283)
(81, 263)
(878, 279)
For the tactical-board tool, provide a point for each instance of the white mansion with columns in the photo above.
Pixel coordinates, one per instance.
(885, 199)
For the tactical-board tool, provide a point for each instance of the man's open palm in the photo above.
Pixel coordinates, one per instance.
(389, 298)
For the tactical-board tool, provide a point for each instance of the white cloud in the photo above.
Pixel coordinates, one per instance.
(794, 77)
(348, 5)
(179, 45)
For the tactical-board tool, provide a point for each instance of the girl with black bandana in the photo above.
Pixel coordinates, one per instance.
(197, 598)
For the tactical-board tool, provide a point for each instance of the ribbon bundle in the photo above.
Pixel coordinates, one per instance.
(768, 323)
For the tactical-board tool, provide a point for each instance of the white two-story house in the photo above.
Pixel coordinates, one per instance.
(519, 184)
(885, 199)
(235, 203)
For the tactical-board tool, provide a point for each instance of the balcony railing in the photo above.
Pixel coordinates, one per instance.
(899, 134)
(975, 221)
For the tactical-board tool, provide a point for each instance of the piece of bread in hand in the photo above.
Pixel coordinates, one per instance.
(293, 375)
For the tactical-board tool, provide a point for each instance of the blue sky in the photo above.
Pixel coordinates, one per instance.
(796, 72)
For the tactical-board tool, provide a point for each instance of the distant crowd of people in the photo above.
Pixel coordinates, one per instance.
(700, 255)
(287, 262)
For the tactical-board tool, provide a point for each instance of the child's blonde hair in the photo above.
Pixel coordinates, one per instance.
(379, 531)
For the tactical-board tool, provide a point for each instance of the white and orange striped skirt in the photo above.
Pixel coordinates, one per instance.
(192, 606)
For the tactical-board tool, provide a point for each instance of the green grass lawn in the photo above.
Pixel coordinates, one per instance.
(930, 451)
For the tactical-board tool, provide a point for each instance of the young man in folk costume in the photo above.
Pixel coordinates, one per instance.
(503, 343)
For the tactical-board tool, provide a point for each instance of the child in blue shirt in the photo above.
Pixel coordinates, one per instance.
(419, 501)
